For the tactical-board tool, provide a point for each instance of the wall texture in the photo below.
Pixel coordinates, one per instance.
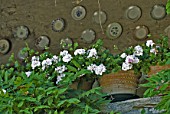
(38, 15)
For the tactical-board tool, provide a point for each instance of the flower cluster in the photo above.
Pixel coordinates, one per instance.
(99, 70)
(66, 57)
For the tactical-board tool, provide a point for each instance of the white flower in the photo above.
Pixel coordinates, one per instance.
(61, 69)
(91, 67)
(131, 59)
(123, 55)
(67, 58)
(48, 61)
(138, 50)
(63, 53)
(35, 58)
(59, 78)
(55, 59)
(92, 53)
(28, 73)
(4, 91)
(150, 43)
(79, 52)
(153, 50)
(126, 66)
(99, 70)
(35, 64)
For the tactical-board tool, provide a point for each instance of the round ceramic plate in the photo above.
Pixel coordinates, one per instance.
(4, 46)
(58, 25)
(133, 13)
(158, 12)
(114, 30)
(88, 35)
(22, 55)
(42, 42)
(66, 43)
(78, 13)
(99, 15)
(21, 32)
(141, 32)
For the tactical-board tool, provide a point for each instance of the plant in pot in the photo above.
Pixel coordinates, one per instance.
(42, 83)
(156, 56)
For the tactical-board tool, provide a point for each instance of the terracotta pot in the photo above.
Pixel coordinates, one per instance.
(123, 82)
(157, 68)
(82, 84)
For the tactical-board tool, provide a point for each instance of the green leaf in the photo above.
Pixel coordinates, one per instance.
(76, 64)
(50, 100)
(41, 107)
(71, 68)
(20, 104)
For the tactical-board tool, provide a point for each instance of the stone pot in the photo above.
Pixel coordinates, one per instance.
(122, 82)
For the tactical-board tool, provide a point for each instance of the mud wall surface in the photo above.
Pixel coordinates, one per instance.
(38, 15)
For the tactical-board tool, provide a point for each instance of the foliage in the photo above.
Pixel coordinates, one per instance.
(159, 84)
(148, 54)
(168, 7)
(42, 84)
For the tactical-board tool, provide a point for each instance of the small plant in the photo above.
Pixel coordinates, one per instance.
(159, 84)
(168, 7)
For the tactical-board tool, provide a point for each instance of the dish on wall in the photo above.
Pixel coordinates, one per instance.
(66, 43)
(4, 46)
(58, 25)
(141, 32)
(114, 30)
(42, 42)
(133, 13)
(158, 12)
(88, 35)
(99, 15)
(21, 32)
(78, 13)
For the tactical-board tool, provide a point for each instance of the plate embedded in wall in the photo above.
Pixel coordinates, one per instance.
(21, 32)
(78, 13)
(158, 12)
(66, 43)
(22, 55)
(133, 13)
(88, 35)
(141, 32)
(58, 25)
(42, 42)
(4, 46)
(99, 15)
(114, 30)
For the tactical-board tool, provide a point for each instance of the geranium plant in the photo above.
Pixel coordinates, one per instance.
(42, 83)
(141, 57)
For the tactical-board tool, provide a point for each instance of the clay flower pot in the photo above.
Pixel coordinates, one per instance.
(157, 68)
(123, 82)
(82, 83)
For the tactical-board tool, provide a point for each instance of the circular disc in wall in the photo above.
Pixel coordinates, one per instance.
(114, 30)
(78, 13)
(4, 46)
(133, 13)
(21, 32)
(99, 16)
(158, 12)
(66, 43)
(141, 32)
(88, 35)
(58, 25)
(42, 42)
